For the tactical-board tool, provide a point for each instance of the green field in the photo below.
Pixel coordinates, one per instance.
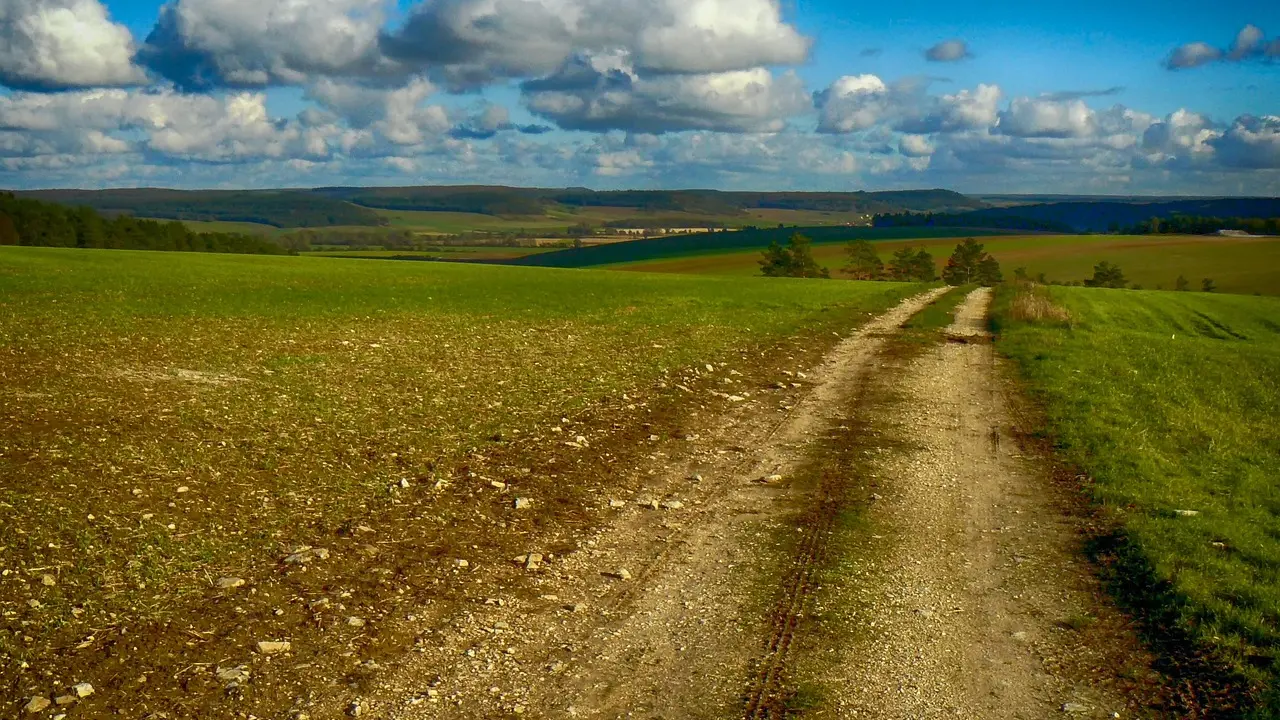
(1237, 265)
(1170, 404)
(167, 419)
(453, 252)
(221, 226)
(447, 223)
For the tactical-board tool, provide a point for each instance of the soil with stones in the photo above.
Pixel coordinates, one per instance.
(861, 538)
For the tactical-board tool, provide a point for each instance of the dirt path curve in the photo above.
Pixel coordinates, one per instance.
(660, 613)
(969, 595)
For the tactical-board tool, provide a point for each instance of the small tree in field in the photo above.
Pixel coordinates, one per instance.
(971, 263)
(1106, 275)
(1208, 285)
(864, 262)
(910, 264)
(794, 260)
(1182, 284)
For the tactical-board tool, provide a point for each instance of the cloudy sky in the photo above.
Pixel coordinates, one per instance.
(1120, 97)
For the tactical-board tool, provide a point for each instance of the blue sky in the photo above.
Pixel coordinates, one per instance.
(1089, 97)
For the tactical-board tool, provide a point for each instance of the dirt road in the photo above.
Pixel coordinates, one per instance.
(733, 585)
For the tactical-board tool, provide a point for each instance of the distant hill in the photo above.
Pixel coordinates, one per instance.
(536, 201)
(710, 243)
(280, 208)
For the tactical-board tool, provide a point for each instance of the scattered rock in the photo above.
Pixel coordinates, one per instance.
(237, 674)
(306, 554)
(48, 580)
(696, 478)
(229, 583)
(37, 704)
(269, 647)
(619, 574)
(184, 489)
(1187, 513)
(355, 622)
(736, 398)
(82, 690)
(522, 503)
(497, 485)
(672, 505)
(876, 497)
(617, 503)
(576, 607)
(534, 561)
(648, 503)
(1020, 636)
(769, 479)
(355, 709)
(64, 700)
(461, 564)
(1074, 708)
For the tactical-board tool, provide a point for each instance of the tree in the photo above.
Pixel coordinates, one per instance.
(971, 263)
(909, 264)
(864, 262)
(795, 260)
(1208, 285)
(989, 274)
(1182, 284)
(1106, 275)
(8, 232)
(776, 261)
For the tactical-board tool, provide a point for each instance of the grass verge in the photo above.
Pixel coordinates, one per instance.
(1167, 405)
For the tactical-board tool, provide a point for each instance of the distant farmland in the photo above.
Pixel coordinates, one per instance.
(1237, 265)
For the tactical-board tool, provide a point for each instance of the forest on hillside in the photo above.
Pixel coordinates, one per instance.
(35, 223)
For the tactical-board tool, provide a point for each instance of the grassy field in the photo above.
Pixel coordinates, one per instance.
(169, 419)
(1237, 265)
(455, 222)
(220, 226)
(460, 252)
(1170, 403)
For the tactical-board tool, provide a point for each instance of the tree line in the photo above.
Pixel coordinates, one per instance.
(1200, 225)
(969, 263)
(35, 223)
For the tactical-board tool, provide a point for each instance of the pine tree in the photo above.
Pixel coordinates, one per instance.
(776, 261)
(1106, 275)
(864, 262)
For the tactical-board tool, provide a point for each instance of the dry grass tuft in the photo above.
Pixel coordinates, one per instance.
(1033, 304)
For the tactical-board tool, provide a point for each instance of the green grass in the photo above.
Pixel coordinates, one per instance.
(452, 252)
(1238, 265)
(286, 394)
(1171, 402)
(221, 226)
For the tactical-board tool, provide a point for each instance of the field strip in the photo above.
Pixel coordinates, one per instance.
(678, 636)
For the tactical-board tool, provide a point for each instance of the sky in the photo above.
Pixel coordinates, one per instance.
(1090, 97)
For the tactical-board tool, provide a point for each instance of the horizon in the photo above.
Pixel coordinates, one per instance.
(1149, 99)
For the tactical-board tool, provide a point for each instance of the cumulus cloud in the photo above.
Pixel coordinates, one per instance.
(1251, 142)
(202, 44)
(607, 93)
(1039, 117)
(1249, 44)
(915, 146)
(1181, 139)
(475, 41)
(489, 121)
(174, 125)
(948, 51)
(399, 115)
(60, 44)
(858, 102)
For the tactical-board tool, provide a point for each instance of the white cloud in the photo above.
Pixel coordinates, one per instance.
(607, 93)
(58, 44)
(915, 146)
(399, 115)
(255, 43)
(1249, 44)
(1036, 117)
(1251, 142)
(475, 41)
(1183, 138)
